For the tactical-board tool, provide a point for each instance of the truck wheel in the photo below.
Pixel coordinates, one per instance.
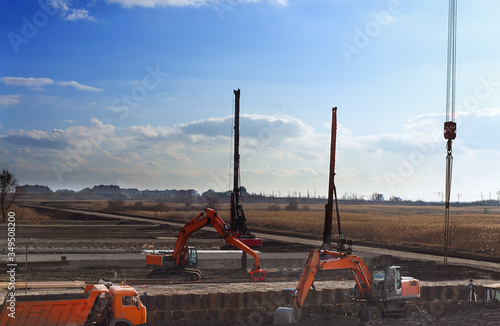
(370, 313)
(412, 310)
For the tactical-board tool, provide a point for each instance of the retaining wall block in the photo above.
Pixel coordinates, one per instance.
(167, 303)
(288, 295)
(144, 299)
(203, 314)
(212, 301)
(204, 301)
(220, 314)
(325, 296)
(160, 302)
(424, 293)
(177, 314)
(245, 312)
(234, 300)
(184, 302)
(278, 298)
(226, 300)
(229, 313)
(175, 302)
(311, 298)
(248, 299)
(196, 301)
(195, 314)
(159, 315)
(150, 303)
(212, 313)
(168, 316)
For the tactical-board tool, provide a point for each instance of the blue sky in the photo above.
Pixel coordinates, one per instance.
(140, 94)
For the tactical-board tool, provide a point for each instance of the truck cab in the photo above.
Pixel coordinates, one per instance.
(126, 307)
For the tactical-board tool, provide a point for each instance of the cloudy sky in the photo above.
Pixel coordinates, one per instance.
(140, 94)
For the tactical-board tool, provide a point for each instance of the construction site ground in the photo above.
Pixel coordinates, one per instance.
(107, 248)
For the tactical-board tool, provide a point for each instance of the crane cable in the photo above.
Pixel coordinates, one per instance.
(450, 124)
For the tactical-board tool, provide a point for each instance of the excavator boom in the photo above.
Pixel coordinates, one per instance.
(337, 260)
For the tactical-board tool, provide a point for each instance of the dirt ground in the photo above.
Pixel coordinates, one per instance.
(77, 231)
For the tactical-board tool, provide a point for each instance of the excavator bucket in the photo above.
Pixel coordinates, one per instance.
(286, 316)
(257, 275)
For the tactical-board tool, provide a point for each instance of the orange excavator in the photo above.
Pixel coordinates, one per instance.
(183, 257)
(382, 291)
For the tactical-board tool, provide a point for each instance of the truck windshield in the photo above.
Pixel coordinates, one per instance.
(127, 300)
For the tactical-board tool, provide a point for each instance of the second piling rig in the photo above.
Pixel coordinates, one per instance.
(382, 291)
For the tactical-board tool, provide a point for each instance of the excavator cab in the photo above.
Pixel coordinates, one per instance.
(386, 283)
(192, 257)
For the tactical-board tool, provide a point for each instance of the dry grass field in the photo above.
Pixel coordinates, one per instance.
(473, 228)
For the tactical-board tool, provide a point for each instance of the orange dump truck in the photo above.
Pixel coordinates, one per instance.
(97, 305)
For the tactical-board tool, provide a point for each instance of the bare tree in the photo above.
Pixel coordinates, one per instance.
(8, 193)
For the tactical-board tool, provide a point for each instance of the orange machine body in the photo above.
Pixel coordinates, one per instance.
(96, 303)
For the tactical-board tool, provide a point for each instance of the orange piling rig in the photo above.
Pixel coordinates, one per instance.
(237, 218)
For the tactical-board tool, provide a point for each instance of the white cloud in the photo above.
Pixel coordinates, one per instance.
(79, 86)
(77, 14)
(36, 84)
(80, 137)
(279, 2)
(277, 152)
(10, 99)
(68, 13)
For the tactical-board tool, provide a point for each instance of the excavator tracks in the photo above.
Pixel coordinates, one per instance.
(176, 275)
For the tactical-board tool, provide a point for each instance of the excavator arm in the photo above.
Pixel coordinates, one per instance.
(339, 260)
(210, 216)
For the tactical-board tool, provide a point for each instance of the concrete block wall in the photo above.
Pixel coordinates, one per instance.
(257, 306)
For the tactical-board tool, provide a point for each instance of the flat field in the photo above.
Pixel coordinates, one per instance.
(473, 229)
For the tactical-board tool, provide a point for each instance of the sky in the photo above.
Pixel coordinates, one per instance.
(140, 94)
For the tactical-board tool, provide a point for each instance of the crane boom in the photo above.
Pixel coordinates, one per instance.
(450, 126)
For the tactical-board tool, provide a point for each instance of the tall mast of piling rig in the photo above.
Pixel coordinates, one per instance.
(332, 194)
(237, 215)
